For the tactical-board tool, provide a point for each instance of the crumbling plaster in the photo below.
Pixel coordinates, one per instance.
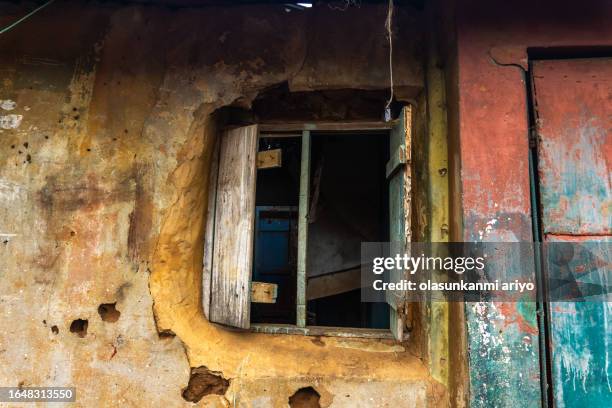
(103, 187)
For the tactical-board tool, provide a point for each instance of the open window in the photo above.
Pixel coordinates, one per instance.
(288, 209)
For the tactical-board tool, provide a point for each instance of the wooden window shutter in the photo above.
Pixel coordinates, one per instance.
(399, 177)
(209, 233)
(234, 218)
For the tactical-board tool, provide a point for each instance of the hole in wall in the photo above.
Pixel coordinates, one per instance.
(79, 327)
(317, 341)
(166, 334)
(54, 329)
(306, 397)
(108, 312)
(204, 382)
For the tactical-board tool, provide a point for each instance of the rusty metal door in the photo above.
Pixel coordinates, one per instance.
(573, 108)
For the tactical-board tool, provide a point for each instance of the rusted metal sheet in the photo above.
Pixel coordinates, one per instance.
(488, 128)
(573, 101)
(494, 206)
(581, 338)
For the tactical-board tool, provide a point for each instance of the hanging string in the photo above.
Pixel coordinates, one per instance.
(30, 14)
(347, 4)
(389, 27)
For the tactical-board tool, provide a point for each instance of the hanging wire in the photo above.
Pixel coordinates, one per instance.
(389, 27)
(347, 4)
(30, 14)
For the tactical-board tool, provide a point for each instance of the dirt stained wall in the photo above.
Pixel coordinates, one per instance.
(104, 154)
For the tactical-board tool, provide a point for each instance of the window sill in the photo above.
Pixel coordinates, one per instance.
(346, 332)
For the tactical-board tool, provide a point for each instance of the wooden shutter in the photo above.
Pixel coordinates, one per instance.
(234, 217)
(399, 177)
(209, 234)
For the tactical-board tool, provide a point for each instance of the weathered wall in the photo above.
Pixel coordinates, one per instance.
(103, 185)
(491, 157)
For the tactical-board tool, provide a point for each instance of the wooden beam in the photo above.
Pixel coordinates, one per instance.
(279, 135)
(325, 331)
(333, 283)
(209, 232)
(269, 159)
(303, 230)
(397, 160)
(263, 292)
(325, 126)
(437, 314)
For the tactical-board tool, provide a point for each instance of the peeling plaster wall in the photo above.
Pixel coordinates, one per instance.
(104, 157)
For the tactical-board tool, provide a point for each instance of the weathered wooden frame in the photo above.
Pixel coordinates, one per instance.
(303, 130)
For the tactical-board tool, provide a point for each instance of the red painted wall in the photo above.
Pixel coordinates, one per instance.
(492, 43)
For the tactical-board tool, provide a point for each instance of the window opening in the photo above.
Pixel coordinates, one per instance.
(347, 204)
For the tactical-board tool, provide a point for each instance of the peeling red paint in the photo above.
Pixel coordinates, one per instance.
(514, 316)
(493, 39)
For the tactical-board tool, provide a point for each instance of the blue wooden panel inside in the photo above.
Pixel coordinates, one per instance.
(272, 251)
(274, 227)
(274, 261)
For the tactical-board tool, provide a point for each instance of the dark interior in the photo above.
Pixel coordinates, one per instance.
(348, 206)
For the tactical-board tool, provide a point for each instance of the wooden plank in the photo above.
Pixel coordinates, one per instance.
(316, 181)
(400, 184)
(270, 159)
(263, 292)
(325, 126)
(324, 331)
(397, 161)
(303, 230)
(437, 314)
(209, 232)
(333, 283)
(234, 228)
(280, 135)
